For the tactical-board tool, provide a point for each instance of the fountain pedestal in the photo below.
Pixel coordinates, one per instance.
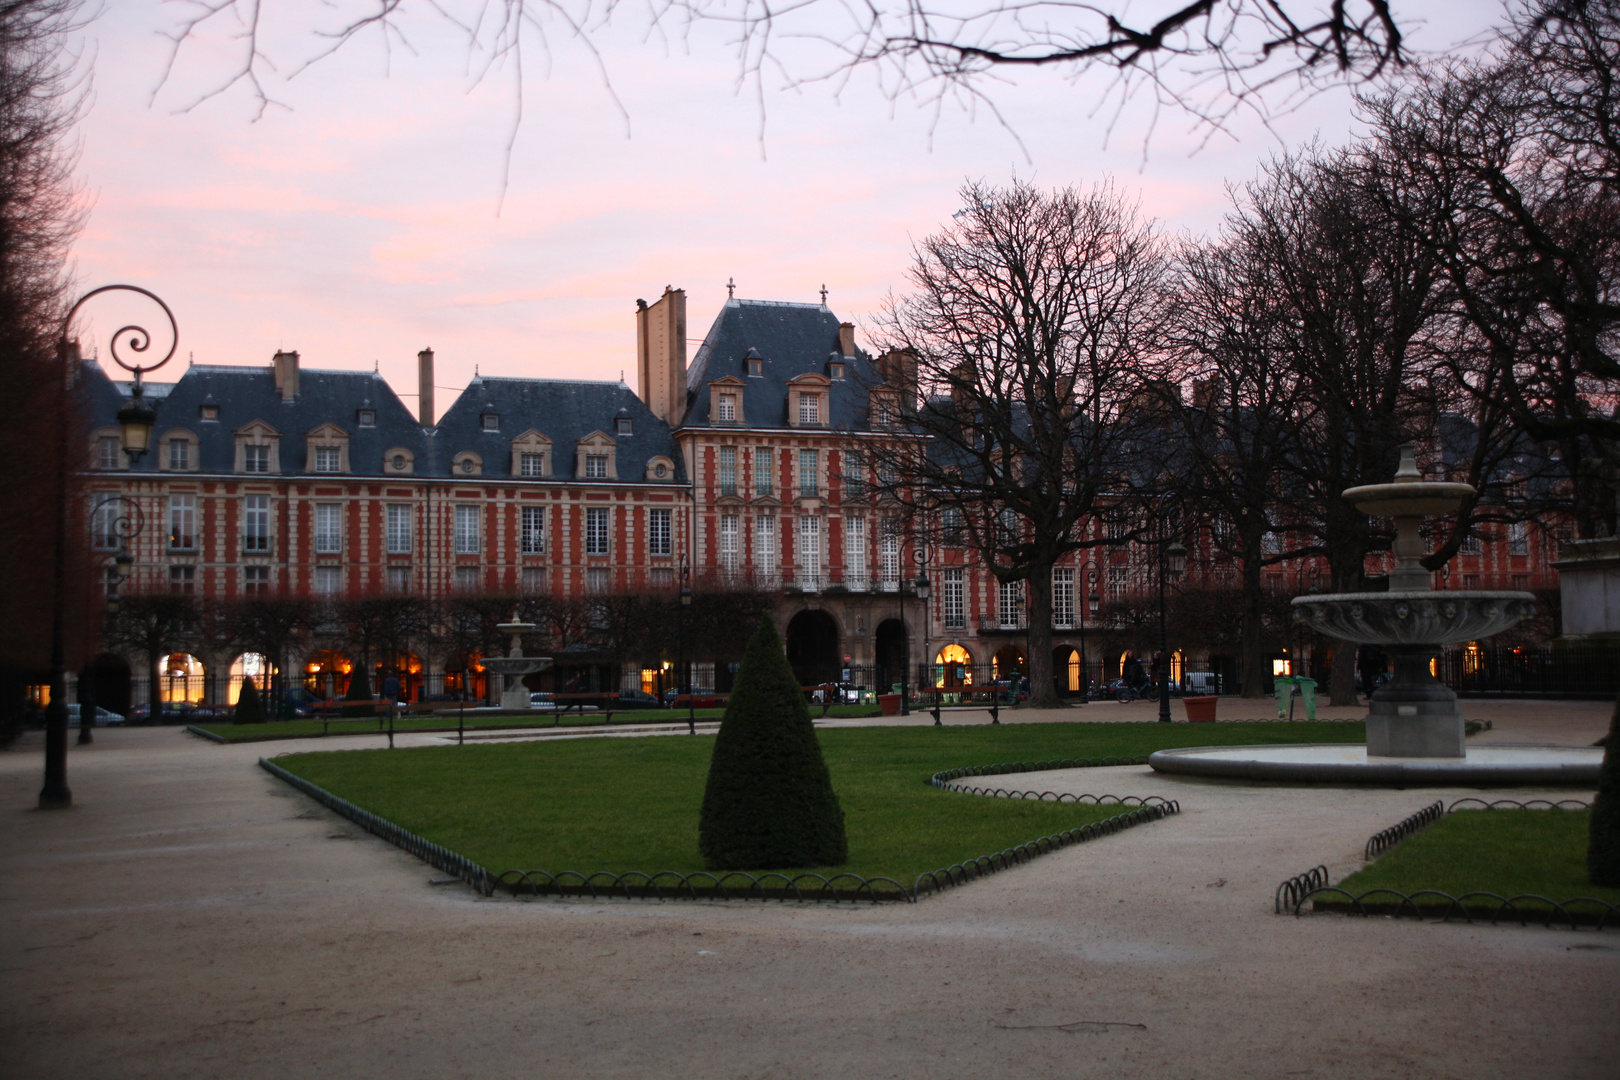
(1415, 715)
(514, 665)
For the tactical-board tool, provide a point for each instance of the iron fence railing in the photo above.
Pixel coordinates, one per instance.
(1563, 670)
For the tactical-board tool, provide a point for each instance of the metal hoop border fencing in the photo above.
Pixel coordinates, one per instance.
(1385, 839)
(943, 778)
(441, 858)
(1313, 885)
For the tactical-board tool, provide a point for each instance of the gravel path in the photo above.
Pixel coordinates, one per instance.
(192, 917)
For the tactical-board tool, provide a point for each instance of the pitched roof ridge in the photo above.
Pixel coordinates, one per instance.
(779, 303)
(567, 382)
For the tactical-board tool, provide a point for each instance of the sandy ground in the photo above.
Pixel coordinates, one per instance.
(192, 917)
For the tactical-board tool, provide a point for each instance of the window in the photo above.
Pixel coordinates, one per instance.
(468, 463)
(1521, 581)
(492, 421)
(658, 532)
(107, 450)
(399, 529)
(1518, 538)
(1271, 542)
(1062, 597)
(533, 530)
(596, 466)
(1470, 581)
(183, 579)
(328, 459)
(621, 426)
(854, 472)
(950, 525)
(765, 550)
(104, 526)
(466, 579)
(256, 458)
(809, 466)
(952, 599)
(366, 417)
(399, 579)
(466, 530)
(809, 551)
(756, 366)
(596, 579)
(1010, 604)
(835, 370)
(256, 581)
(855, 552)
(889, 553)
(1116, 581)
(596, 531)
(182, 522)
(1470, 545)
(531, 464)
(809, 409)
(256, 523)
(535, 580)
(728, 408)
(661, 578)
(328, 528)
(180, 454)
(728, 544)
(764, 468)
(728, 470)
(209, 413)
(328, 580)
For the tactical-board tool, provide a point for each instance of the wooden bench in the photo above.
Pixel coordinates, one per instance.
(993, 693)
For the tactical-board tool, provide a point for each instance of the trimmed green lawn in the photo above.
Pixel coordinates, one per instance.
(315, 729)
(1509, 852)
(632, 804)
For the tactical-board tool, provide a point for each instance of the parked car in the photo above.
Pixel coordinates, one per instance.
(1201, 682)
(637, 699)
(180, 712)
(542, 700)
(104, 718)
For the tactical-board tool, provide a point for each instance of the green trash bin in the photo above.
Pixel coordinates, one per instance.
(1307, 690)
(1284, 687)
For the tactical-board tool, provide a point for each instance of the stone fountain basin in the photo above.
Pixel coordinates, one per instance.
(516, 665)
(1417, 498)
(1414, 617)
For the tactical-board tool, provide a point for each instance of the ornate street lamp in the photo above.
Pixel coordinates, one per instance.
(686, 602)
(126, 525)
(1087, 600)
(136, 420)
(1172, 560)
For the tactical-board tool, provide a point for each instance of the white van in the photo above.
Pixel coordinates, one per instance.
(1201, 682)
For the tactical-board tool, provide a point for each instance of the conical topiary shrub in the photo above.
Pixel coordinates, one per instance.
(249, 706)
(359, 690)
(1603, 845)
(769, 803)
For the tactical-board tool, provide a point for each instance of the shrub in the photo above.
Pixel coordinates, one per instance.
(249, 706)
(359, 690)
(1603, 845)
(769, 801)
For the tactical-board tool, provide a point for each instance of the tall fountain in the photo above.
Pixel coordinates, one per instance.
(1415, 715)
(514, 665)
(1415, 732)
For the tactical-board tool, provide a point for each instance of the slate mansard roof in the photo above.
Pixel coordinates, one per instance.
(564, 411)
(792, 340)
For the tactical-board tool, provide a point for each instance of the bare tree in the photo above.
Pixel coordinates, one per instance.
(1208, 56)
(155, 624)
(1031, 315)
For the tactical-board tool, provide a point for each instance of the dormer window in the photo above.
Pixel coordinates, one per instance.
(398, 461)
(835, 370)
(107, 449)
(366, 418)
(531, 465)
(622, 426)
(468, 464)
(180, 454)
(809, 409)
(754, 364)
(208, 412)
(256, 458)
(728, 407)
(596, 466)
(492, 421)
(328, 459)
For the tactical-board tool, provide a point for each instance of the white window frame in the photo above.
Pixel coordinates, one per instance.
(255, 457)
(328, 528)
(536, 580)
(328, 459)
(255, 581)
(598, 528)
(467, 530)
(400, 526)
(104, 517)
(532, 530)
(399, 579)
(809, 554)
(764, 470)
(855, 569)
(809, 472)
(727, 408)
(256, 523)
(765, 549)
(660, 533)
(1010, 612)
(809, 409)
(953, 598)
(728, 544)
(889, 553)
(180, 455)
(467, 578)
(328, 580)
(183, 522)
(596, 466)
(726, 471)
(1062, 597)
(531, 463)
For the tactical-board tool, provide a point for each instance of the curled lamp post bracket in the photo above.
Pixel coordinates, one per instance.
(136, 338)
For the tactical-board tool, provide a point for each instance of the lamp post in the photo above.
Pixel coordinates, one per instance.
(1172, 559)
(135, 420)
(686, 602)
(1086, 600)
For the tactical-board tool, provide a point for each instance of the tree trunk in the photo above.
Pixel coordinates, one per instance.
(1253, 628)
(1042, 694)
(1342, 680)
(154, 693)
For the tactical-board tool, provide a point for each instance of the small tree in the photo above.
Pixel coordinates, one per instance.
(359, 690)
(769, 801)
(1603, 848)
(249, 709)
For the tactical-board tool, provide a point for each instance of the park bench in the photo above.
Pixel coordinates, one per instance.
(966, 694)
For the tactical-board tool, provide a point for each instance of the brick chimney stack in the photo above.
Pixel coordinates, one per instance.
(661, 354)
(424, 387)
(286, 370)
(846, 339)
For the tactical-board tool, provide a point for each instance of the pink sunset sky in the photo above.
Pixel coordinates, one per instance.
(367, 220)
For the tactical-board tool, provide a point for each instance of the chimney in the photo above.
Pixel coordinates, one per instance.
(846, 338)
(424, 387)
(661, 354)
(286, 368)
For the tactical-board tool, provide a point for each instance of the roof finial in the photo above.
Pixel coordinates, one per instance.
(731, 287)
(823, 294)
(475, 372)
(376, 366)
